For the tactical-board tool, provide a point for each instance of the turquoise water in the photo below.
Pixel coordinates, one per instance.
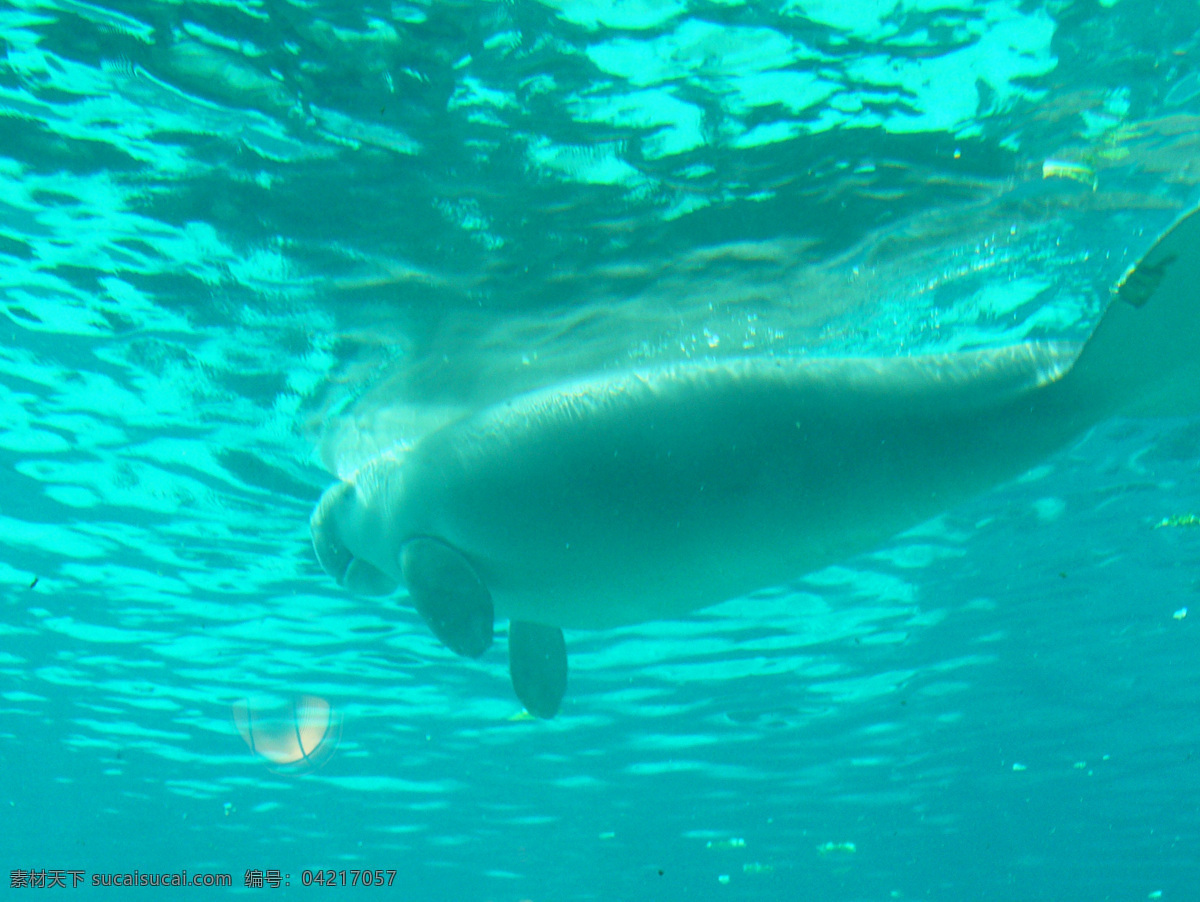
(232, 235)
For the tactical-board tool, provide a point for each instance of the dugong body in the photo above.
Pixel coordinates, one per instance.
(649, 493)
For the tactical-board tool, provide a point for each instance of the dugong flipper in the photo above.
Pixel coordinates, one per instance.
(449, 595)
(537, 662)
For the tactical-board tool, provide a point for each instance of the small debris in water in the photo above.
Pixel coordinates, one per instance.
(724, 845)
(1178, 520)
(1065, 169)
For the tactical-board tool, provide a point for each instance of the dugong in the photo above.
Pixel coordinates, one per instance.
(652, 492)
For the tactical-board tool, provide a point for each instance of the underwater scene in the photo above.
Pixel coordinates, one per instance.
(554, 450)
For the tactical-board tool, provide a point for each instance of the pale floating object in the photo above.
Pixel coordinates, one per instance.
(1180, 614)
(295, 736)
(1065, 169)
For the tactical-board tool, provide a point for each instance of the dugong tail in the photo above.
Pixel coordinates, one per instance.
(1144, 357)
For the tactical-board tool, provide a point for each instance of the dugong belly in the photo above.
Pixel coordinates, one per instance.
(646, 495)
